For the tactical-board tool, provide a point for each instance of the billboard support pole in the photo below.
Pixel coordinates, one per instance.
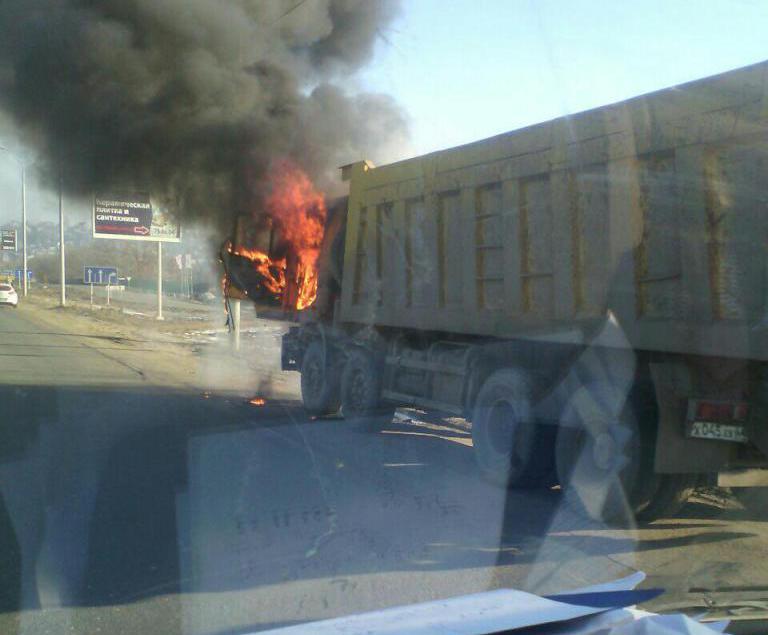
(160, 280)
(62, 267)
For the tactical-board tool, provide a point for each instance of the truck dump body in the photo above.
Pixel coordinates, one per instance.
(590, 293)
(654, 208)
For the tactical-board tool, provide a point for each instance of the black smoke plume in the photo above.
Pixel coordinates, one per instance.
(193, 99)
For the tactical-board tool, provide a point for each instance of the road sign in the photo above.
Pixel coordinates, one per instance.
(99, 275)
(132, 216)
(8, 239)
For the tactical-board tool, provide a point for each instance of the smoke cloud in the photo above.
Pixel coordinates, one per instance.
(194, 99)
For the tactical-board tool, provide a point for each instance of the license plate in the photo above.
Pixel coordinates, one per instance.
(717, 431)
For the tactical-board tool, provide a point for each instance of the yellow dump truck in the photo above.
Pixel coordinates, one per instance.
(591, 293)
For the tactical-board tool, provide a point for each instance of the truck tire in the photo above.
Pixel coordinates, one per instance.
(672, 492)
(361, 392)
(631, 490)
(320, 392)
(604, 465)
(504, 433)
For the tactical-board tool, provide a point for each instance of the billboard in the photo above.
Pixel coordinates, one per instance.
(132, 216)
(8, 239)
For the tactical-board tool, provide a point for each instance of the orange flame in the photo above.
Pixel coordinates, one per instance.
(299, 211)
(257, 401)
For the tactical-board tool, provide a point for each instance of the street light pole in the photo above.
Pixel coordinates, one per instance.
(160, 280)
(24, 232)
(62, 267)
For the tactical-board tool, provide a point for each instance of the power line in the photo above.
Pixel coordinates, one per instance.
(288, 12)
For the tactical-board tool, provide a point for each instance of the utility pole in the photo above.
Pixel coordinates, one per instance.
(24, 232)
(235, 305)
(62, 268)
(160, 280)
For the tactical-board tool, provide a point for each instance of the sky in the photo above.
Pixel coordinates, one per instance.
(464, 70)
(469, 69)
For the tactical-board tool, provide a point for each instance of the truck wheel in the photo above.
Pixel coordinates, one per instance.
(504, 433)
(361, 392)
(672, 492)
(604, 466)
(319, 382)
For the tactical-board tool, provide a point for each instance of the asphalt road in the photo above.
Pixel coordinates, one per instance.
(133, 501)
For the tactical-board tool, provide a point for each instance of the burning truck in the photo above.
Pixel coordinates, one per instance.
(590, 293)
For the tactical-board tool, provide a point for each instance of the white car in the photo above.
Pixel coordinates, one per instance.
(8, 295)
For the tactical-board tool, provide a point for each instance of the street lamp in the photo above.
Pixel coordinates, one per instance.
(24, 280)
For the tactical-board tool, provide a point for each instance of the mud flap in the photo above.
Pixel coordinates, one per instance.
(758, 429)
(675, 453)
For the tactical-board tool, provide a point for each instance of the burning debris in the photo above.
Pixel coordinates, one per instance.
(257, 401)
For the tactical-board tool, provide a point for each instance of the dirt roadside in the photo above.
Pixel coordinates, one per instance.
(189, 354)
(128, 318)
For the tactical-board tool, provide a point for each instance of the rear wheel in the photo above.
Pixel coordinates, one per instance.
(319, 381)
(361, 392)
(605, 457)
(671, 493)
(602, 462)
(510, 449)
